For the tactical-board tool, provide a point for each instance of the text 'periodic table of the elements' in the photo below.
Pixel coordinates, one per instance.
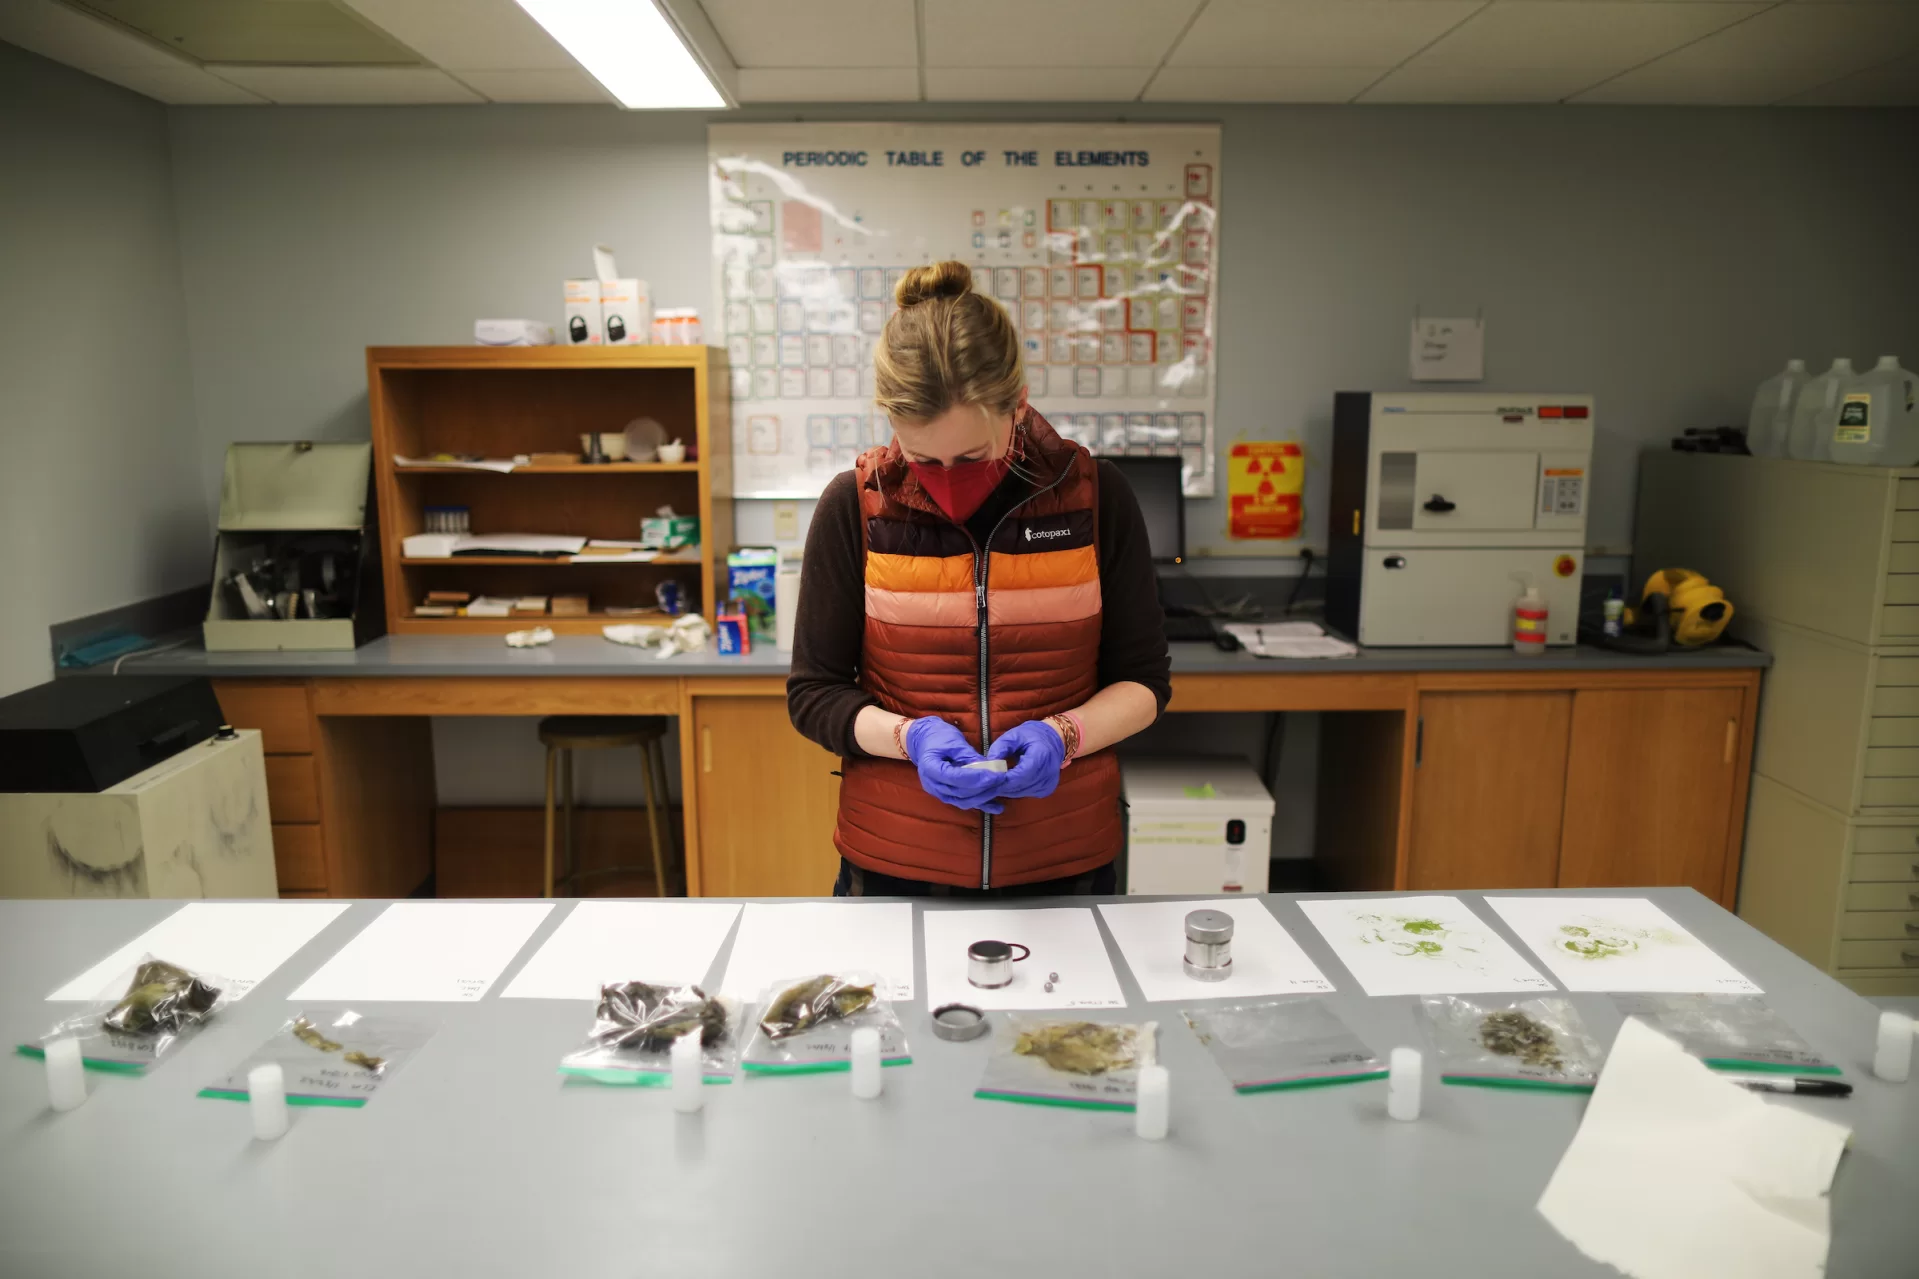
(1101, 241)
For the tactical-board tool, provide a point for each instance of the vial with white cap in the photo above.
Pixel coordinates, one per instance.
(66, 1074)
(689, 1081)
(1152, 1104)
(267, 1100)
(867, 1077)
(1892, 1059)
(1209, 945)
(1402, 1084)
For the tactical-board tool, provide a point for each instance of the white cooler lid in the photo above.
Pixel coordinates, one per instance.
(1175, 785)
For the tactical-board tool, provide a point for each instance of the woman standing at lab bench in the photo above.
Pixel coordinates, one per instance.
(978, 585)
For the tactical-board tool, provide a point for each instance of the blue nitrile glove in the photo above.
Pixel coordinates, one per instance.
(941, 754)
(1037, 755)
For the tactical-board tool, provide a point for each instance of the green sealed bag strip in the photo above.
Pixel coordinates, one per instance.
(1738, 1033)
(1277, 1045)
(1538, 1044)
(1055, 1061)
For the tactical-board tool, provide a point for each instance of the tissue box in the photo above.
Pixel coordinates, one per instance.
(512, 333)
(751, 576)
(626, 313)
(582, 320)
(669, 532)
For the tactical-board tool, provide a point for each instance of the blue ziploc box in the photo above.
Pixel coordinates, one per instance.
(751, 573)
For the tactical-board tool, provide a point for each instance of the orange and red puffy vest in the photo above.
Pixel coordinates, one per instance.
(985, 637)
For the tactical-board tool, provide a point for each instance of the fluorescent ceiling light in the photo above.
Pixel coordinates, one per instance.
(631, 49)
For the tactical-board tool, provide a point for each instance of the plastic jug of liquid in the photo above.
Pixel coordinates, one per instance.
(1878, 423)
(1811, 438)
(1770, 422)
(1529, 618)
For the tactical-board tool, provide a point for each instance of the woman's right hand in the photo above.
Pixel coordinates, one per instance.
(941, 754)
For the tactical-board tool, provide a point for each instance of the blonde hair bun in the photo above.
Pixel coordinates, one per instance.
(940, 280)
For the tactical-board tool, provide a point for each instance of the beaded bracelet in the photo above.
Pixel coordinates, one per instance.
(1071, 731)
(899, 737)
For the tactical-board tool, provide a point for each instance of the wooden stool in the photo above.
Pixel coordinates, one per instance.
(564, 734)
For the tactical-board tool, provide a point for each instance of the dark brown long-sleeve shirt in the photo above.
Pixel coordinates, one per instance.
(823, 692)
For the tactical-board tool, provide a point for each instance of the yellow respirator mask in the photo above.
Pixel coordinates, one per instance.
(1698, 610)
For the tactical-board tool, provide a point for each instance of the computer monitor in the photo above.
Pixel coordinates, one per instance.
(1155, 481)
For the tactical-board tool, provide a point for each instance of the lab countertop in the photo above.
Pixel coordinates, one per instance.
(477, 1159)
(589, 655)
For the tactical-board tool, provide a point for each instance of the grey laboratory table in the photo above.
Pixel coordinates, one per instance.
(479, 1160)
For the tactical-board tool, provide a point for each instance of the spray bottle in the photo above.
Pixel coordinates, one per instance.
(1529, 617)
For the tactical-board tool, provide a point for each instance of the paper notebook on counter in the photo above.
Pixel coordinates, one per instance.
(1289, 639)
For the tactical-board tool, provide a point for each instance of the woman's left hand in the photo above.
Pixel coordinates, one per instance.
(1037, 753)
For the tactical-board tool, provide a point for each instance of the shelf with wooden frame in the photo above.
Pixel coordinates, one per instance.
(510, 401)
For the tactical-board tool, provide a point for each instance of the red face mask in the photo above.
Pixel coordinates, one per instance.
(960, 490)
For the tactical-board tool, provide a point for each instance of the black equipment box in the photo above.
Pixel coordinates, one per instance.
(85, 733)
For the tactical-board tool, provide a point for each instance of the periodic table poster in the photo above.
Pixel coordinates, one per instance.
(1101, 241)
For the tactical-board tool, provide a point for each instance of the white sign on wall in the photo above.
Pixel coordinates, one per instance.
(1101, 240)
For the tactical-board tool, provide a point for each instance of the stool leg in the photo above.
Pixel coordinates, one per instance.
(566, 815)
(653, 819)
(549, 820)
(674, 853)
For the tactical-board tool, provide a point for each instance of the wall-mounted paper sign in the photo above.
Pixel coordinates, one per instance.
(1448, 350)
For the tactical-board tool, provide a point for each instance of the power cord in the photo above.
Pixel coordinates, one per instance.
(146, 652)
(1243, 609)
(1306, 554)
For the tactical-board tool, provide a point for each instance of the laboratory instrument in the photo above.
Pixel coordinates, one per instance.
(1195, 825)
(1439, 499)
(989, 964)
(1209, 945)
(957, 1023)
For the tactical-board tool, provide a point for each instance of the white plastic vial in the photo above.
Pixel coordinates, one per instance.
(1892, 1058)
(1152, 1111)
(868, 1076)
(689, 1081)
(66, 1074)
(1403, 1083)
(267, 1100)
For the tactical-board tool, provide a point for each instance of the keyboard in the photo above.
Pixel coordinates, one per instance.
(1188, 627)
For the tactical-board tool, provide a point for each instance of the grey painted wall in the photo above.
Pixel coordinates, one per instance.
(101, 499)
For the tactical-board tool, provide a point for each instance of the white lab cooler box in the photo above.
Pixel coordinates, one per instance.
(1199, 824)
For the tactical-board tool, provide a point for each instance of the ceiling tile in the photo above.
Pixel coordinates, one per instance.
(1052, 33)
(1891, 84)
(182, 86)
(1416, 82)
(1601, 36)
(1035, 84)
(1316, 33)
(535, 86)
(349, 86)
(829, 84)
(468, 35)
(816, 33)
(1260, 84)
(1783, 51)
(54, 31)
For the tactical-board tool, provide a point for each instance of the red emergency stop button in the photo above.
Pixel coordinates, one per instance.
(1565, 566)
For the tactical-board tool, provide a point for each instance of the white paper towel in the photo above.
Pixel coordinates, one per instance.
(1677, 1173)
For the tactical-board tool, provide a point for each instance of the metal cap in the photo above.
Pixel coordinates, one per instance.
(989, 950)
(959, 1022)
(1209, 927)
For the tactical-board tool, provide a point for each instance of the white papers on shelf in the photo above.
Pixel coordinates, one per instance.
(805, 938)
(1419, 946)
(489, 606)
(1676, 1173)
(501, 465)
(1266, 959)
(1289, 639)
(528, 544)
(244, 942)
(1063, 940)
(670, 943)
(440, 952)
(1618, 944)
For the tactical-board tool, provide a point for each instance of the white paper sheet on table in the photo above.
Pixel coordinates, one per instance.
(428, 952)
(778, 942)
(1618, 944)
(1063, 939)
(1420, 946)
(670, 943)
(1677, 1173)
(240, 941)
(1266, 959)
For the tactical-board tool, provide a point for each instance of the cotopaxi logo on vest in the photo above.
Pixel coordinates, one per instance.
(1042, 534)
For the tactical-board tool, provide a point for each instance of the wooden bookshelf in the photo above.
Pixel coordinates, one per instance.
(505, 401)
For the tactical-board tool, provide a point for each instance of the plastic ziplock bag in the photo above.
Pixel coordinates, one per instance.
(164, 1005)
(1728, 1032)
(631, 1042)
(807, 1024)
(1298, 1042)
(1519, 1043)
(331, 1056)
(1044, 1061)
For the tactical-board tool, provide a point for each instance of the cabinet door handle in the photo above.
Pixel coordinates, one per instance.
(1732, 738)
(1910, 956)
(706, 757)
(1912, 929)
(1914, 899)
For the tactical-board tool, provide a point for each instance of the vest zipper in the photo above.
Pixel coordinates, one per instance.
(982, 567)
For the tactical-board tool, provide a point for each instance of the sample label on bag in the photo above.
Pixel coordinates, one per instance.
(1855, 419)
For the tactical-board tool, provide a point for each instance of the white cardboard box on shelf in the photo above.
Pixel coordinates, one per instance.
(626, 312)
(581, 326)
(1198, 824)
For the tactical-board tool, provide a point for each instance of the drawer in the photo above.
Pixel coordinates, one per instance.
(1880, 925)
(1882, 896)
(1905, 526)
(1898, 621)
(1901, 730)
(298, 857)
(1908, 496)
(279, 711)
(293, 793)
(1889, 761)
(1885, 868)
(1885, 839)
(1879, 954)
(1904, 557)
(1903, 588)
(1889, 792)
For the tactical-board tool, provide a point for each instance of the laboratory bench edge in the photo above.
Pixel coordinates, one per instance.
(1440, 768)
